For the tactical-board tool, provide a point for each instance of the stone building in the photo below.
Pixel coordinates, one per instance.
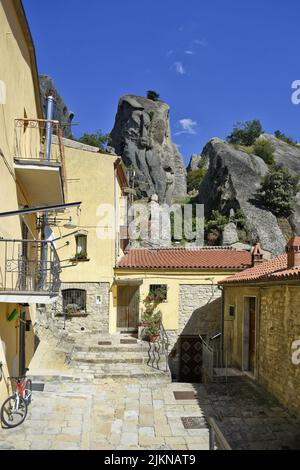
(261, 323)
(192, 304)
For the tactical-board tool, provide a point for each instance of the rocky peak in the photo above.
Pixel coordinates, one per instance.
(142, 137)
(61, 112)
(231, 182)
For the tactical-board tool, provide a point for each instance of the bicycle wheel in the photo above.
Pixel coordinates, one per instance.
(13, 411)
(28, 392)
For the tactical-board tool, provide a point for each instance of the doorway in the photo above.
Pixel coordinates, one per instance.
(249, 336)
(128, 308)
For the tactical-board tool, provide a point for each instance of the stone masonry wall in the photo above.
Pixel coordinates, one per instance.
(199, 314)
(279, 328)
(96, 320)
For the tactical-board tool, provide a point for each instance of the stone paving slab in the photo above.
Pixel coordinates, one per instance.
(105, 414)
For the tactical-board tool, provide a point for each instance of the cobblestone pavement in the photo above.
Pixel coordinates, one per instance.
(107, 414)
(248, 416)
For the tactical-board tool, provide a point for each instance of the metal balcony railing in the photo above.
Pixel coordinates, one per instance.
(29, 266)
(30, 140)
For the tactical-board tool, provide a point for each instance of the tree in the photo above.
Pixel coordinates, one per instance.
(245, 133)
(281, 136)
(98, 139)
(194, 178)
(278, 191)
(152, 95)
(265, 150)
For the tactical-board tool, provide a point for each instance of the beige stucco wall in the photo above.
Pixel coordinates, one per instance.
(277, 327)
(90, 180)
(16, 78)
(174, 280)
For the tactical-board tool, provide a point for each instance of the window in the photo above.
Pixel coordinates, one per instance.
(81, 246)
(231, 311)
(159, 290)
(74, 300)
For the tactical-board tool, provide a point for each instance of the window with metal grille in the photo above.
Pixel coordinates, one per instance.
(160, 291)
(75, 298)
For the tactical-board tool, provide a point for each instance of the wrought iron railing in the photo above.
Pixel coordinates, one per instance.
(159, 349)
(29, 266)
(30, 140)
(214, 359)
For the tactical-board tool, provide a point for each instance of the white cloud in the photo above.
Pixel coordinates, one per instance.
(200, 42)
(169, 53)
(179, 68)
(187, 126)
(188, 52)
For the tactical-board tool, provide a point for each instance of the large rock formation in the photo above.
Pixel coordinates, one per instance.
(231, 182)
(61, 113)
(142, 137)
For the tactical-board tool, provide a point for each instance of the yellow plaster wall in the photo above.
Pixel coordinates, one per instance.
(90, 179)
(174, 279)
(17, 77)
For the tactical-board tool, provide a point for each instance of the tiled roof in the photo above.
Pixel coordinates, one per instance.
(271, 270)
(184, 258)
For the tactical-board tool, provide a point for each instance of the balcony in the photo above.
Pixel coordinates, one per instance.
(41, 179)
(29, 271)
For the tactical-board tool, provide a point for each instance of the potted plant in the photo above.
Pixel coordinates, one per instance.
(72, 309)
(153, 332)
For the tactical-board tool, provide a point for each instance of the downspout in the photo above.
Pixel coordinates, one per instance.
(221, 288)
(49, 117)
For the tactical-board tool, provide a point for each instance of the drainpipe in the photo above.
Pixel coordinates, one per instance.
(49, 116)
(221, 288)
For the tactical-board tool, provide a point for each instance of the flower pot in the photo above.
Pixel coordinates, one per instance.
(154, 338)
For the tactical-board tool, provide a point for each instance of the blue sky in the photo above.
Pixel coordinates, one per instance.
(214, 62)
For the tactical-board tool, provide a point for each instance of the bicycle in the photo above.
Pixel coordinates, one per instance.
(14, 409)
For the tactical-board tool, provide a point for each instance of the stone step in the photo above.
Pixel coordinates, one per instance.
(121, 348)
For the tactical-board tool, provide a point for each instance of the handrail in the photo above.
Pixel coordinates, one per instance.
(216, 437)
(159, 348)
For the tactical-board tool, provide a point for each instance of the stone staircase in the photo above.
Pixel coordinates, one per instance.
(117, 357)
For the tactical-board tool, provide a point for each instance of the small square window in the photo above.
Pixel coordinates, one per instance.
(231, 311)
(160, 291)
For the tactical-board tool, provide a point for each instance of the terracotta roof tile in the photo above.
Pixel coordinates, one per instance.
(184, 258)
(273, 269)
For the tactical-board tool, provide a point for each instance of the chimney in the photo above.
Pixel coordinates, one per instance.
(257, 255)
(293, 253)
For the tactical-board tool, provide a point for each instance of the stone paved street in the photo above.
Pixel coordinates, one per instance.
(107, 415)
(248, 416)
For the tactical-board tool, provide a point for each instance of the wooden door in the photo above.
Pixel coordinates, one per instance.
(190, 359)
(128, 308)
(252, 333)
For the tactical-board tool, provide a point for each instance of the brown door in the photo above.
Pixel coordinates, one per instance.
(128, 308)
(252, 334)
(190, 359)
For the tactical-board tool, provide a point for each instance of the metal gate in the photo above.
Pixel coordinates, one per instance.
(190, 359)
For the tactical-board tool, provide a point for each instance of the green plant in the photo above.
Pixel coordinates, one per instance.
(98, 139)
(152, 95)
(81, 255)
(152, 330)
(14, 315)
(264, 150)
(72, 308)
(194, 178)
(245, 133)
(278, 191)
(239, 219)
(281, 136)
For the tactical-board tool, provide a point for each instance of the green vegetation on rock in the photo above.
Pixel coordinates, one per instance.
(245, 133)
(152, 95)
(98, 139)
(278, 191)
(264, 150)
(194, 178)
(281, 136)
